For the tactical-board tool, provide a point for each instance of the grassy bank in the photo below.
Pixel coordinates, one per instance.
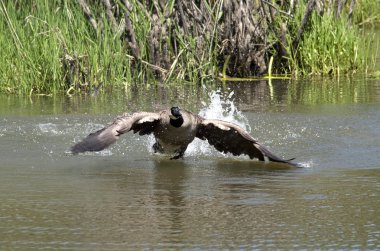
(331, 46)
(46, 48)
(54, 46)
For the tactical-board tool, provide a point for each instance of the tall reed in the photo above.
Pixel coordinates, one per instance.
(330, 46)
(39, 39)
(49, 46)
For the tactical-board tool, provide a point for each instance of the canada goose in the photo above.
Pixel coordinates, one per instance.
(174, 130)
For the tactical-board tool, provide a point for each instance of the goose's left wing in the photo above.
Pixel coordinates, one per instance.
(230, 138)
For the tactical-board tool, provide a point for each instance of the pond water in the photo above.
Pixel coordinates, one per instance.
(126, 197)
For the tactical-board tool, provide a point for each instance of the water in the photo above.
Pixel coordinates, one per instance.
(129, 198)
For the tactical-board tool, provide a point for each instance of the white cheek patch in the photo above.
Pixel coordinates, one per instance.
(173, 117)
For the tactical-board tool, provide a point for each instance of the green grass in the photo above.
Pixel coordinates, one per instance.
(43, 33)
(40, 38)
(330, 46)
(48, 46)
(367, 12)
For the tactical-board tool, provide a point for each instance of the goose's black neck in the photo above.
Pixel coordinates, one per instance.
(177, 122)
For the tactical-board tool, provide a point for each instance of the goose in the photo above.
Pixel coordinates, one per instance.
(174, 129)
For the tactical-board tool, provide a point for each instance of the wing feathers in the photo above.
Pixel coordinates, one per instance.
(230, 138)
(96, 141)
(142, 122)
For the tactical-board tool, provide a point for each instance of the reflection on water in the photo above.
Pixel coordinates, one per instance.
(248, 96)
(335, 91)
(129, 198)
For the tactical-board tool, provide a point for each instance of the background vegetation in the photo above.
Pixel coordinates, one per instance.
(84, 46)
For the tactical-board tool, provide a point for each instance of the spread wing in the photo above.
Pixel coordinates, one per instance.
(141, 122)
(230, 138)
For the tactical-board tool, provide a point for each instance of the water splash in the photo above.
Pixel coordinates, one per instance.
(49, 128)
(306, 164)
(223, 108)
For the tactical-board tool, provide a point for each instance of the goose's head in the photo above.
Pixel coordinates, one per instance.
(176, 113)
(176, 118)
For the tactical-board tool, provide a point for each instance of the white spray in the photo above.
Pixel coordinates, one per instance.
(222, 108)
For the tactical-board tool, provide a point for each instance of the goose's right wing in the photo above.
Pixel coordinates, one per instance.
(142, 122)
